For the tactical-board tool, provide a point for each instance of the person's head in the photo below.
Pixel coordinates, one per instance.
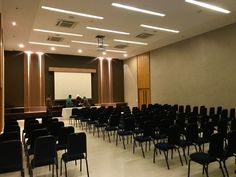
(69, 96)
(84, 97)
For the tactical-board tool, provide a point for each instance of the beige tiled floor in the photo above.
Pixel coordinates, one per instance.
(107, 160)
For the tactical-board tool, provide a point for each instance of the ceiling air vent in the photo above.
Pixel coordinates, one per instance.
(55, 39)
(144, 35)
(65, 23)
(120, 46)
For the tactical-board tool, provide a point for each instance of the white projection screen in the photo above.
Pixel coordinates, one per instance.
(67, 83)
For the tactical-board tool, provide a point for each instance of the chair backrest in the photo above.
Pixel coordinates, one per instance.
(77, 143)
(212, 111)
(233, 124)
(11, 156)
(14, 135)
(64, 132)
(173, 135)
(219, 110)
(195, 110)
(44, 149)
(149, 129)
(35, 134)
(113, 120)
(231, 146)
(208, 130)
(192, 132)
(216, 147)
(232, 113)
(181, 109)
(11, 128)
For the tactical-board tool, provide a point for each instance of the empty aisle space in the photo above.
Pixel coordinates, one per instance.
(108, 160)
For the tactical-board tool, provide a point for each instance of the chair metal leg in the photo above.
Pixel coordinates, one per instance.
(225, 169)
(86, 160)
(222, 169)
(154, 155)
(53, 170)
(180, 157)
(189, 167)
(166, 157)
(183, 148)
(61, 168)
(80, 165)
(22, 173)
(65, 169)
(142, 149)
(109, 136)
(123, 140)
(134, 144)
(206, 169)
(116, 139)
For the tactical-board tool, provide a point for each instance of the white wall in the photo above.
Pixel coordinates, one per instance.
(197, 71)
(130, 82)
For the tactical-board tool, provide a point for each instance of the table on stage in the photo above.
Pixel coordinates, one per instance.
(67, 112)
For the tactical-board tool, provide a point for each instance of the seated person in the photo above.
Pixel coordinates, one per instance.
(69, 102)
(85, 102)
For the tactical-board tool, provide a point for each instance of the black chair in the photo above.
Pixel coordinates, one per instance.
(212, 111)
(10, 136)
(171, 144)
(233, 124)
(112, 126)
(147, 136)
(215, 154)
(11, 157)
(64, 133)
(230, 150)
(126, 128)
(219, 110)
(76, 150)
(44, 153)
(232, 113)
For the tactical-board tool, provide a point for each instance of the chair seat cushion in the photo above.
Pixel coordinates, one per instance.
(67, 157)
(202, 158)
(111, 128)
(142, 138)
(158, 136)
(42, 162)
(10, 168)
(164, 146)
(124, 133)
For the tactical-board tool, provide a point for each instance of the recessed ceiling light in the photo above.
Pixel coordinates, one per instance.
(130, 42)
(107, 30)
(125, 55)
(57, 32)
(71, 12)
(104, 53)
(80, 51)
(159, 28)
(21, 45)
(53, 48)
(116, 51)
(13, 23)
(137, 9)
(89, 43)
(208, 6)
(49, 44)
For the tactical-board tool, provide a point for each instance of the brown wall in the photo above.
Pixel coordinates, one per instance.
(14, 79)
(14, 75)
(118, 80)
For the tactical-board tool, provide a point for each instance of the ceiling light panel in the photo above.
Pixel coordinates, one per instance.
(49, 44)
(208, 6)
(89, 43)
(137, 9)
(107, 30)
(71, 12)
(116, 51)
(159, 28)
(130, 42)
(57, 32)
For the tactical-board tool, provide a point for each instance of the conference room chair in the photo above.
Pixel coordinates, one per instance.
(11, 128)
(145, 137)
(195, 110)
(101, 123)
(44, 154)
(171, 144)
(64, 133)
(112, 126)
(126, 128)
(219, 110)
(224, 113)
(187, 109)
(212, 111)
(93, 118)
(214, 154)
(74, 113)
(11, 157)
(233, 124)
(232, 113)
(181, 109)
(34, 135)
(10, 122)
(76, 150)
(230, 150)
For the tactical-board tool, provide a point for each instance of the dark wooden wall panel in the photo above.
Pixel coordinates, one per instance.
(118, 80)
(14, 79)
